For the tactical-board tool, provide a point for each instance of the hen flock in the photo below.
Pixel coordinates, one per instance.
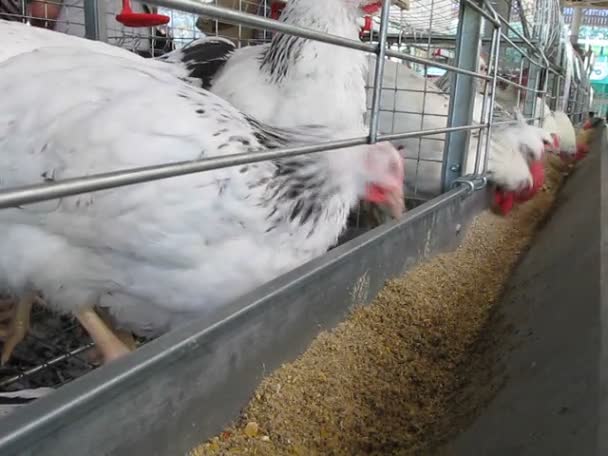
(160, 253)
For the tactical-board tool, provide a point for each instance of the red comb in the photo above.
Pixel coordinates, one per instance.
(504, 201)
(131, 19)
(372, 8)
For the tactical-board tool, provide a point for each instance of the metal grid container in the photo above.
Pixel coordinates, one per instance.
(172, 375)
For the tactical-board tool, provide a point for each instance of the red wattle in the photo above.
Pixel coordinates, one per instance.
(375, 194)
(504, 201)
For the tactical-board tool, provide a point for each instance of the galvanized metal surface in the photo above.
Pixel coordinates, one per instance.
(379, 72)
(95, 20)
(462, 97)
(185, 386)
(177, 390)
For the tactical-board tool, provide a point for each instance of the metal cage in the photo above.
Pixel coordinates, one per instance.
(436, 38)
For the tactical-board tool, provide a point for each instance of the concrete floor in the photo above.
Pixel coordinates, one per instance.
(554, 401)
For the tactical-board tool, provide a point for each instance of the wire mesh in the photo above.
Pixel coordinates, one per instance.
(424, 36)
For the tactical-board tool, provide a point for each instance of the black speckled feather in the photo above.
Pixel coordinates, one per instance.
(203, 59)
(298, 183)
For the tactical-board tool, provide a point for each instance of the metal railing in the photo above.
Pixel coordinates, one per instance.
(457, 120)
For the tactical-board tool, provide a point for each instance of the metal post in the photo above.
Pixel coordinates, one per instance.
(556, 88)
(502, 8)
(531, 97)
(575, 110)
(379, 72)
(462, 96)
(95, 20)
(576, 24)
(489, 96)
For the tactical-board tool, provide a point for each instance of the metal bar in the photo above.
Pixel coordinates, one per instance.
(252, 20)
(95, 20)
(45, 365)
(517, 34)
(522, 19)
(399, 111)
(493, 65)
(397, 89)
(463, 91)
(444, 66)
(519, 86)
(429, 132)
(576, 24)
(74, 186)
(69, 187)
(436, 39)
(490, 17)
(531, 97)
(520, 50)
(424, 95)
(379, 72)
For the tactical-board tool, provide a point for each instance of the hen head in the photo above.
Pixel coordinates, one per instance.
(383, 177)
(531, 142)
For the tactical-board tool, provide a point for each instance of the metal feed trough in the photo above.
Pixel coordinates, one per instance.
(183, 387)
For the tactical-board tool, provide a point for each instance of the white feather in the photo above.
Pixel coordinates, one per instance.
(323, 83)
(17, 38)
(566, 132)
(402, 105)
(154, 253)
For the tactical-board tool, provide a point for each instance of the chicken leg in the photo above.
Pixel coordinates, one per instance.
(19, 323)
(126, 337)
(110, 346)
(94, 355)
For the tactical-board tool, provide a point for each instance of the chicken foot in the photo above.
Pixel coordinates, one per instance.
(106, 341)
(94, 355)
(18, 313)
(126, 337)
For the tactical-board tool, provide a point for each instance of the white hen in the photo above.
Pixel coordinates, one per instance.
(402, 106)
(566, 133)
(158, 253)
(290, 80)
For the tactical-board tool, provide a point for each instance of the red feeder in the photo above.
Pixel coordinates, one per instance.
(367, 26)
(129, 18)
(368, 23)
(372, 8)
